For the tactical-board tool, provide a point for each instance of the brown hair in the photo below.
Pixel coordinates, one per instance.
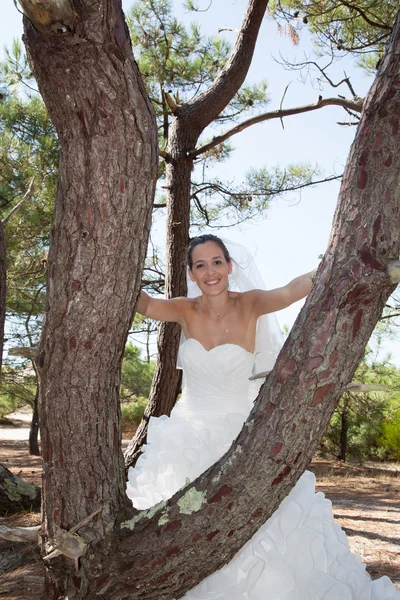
(202, 239)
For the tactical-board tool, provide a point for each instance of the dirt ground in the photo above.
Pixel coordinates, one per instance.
(366, 502)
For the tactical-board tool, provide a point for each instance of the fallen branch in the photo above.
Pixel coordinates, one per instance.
(65, 542)
(20, 534)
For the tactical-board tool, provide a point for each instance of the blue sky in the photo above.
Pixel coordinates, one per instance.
(295, 230)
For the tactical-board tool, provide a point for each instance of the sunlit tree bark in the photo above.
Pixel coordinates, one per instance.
(107, 133)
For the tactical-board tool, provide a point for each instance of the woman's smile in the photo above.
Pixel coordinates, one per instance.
(212, 282)
(210, 269)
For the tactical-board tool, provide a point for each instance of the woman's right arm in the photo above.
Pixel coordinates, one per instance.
(158, 309)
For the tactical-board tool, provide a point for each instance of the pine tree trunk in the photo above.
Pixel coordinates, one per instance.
(108, 136)
(34, 449)
(344, 427)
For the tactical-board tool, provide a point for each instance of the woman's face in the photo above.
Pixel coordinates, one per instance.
(210, 270)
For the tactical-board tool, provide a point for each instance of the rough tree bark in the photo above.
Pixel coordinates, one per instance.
(89, 82)
(82, 60)
(190, 120)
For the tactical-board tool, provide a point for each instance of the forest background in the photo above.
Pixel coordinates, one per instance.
(288, 237)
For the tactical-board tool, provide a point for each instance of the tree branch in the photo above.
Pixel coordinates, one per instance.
(26, 196)
(205, 108)
(299, 66)
(277, 114)
(362, 14)
(392, 316)
(365, 388)
(226, 192)
(25, 351)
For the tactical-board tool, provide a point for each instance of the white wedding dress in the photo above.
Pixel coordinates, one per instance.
(300, 553)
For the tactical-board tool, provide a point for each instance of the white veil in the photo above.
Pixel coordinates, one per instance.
(245, 277)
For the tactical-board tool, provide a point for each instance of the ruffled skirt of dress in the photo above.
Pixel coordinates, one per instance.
(300, 553)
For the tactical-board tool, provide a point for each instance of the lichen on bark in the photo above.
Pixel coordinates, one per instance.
(17, 489)
(191, 501)
(144, 514)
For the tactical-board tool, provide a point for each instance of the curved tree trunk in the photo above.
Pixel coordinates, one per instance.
(189, 122)
(91, 86)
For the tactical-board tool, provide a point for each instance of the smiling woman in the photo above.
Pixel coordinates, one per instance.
(220, 316)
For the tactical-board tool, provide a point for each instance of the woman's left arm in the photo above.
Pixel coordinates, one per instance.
(267, 301)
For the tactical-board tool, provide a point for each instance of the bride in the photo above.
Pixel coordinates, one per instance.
(300, 553)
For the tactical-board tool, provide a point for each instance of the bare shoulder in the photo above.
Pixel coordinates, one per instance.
(261, 302)
(183, 304)
(192, 303)
(251, 297)
(246, 301)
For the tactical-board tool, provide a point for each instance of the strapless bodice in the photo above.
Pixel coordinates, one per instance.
(215, 381)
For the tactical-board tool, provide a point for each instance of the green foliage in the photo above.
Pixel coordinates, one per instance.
(367, 416)
(273, 182)
(360, 27)
(15, 71)
(364, 429)
(181, 60)
(28, 148)
(134, 411)
(136, 379)
(17, 387)
(390, 438)
(215, 200)
(168, 54)
(136, 374)
(8, 404)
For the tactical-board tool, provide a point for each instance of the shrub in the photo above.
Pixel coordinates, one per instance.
(134, 410)
(390, 438)
(136, 375)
